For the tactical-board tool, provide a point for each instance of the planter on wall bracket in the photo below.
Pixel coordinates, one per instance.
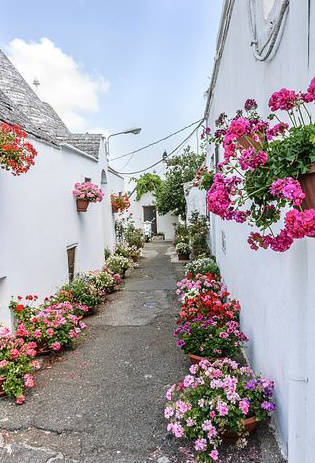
(307, 182)
(82, 205)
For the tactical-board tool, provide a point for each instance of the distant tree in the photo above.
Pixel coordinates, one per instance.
(147, 183)
(180, 169)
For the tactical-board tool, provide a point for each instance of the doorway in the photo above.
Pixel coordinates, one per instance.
(149, 213)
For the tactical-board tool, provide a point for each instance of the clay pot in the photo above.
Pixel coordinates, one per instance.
(307, 182)
(2, 380)
(183, 256)
(246, 142)
(250, 425)
(82, 205)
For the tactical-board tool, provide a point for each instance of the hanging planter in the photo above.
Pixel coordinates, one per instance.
(86, 193)
(307, 182)
(82, 205)
(119, 202)
(16, 153)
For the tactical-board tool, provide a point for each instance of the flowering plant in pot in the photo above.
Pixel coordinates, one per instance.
(201, 283)
(80, 310)
(183, 250)
(102, 280)
(120, 202)
(16, 154)
(81, 291)
(215, 401)
(211, 338)
(16, 365)
(268, 168)
(208, 305)
(51, 327)
(202, 265)
(118, 264)
(131, 252)
(85, 193)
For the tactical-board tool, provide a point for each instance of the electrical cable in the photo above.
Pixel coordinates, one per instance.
(156, 142)
(168, 155)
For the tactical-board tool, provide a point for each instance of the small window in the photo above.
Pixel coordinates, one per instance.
(87, 179)
(103, 178)
(71, 261)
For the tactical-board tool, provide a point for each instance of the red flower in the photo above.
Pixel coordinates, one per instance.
(19, 308)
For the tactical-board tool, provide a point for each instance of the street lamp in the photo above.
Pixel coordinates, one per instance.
(134, 130)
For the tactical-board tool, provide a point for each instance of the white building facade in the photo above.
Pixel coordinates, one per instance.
(145, 209)
(264, 46)
(39, 224)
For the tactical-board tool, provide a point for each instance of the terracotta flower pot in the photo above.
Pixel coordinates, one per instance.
(250, 425)
(247, 142)
(183, 256)
(307, 182)
(82, 205)
(2, 380)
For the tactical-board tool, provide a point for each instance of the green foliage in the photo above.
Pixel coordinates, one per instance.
(203, 265)
(147, 183)
(83, 292)
(287, 157)
(180, 169)
(198, 231)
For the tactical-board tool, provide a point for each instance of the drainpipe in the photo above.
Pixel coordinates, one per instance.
(297, 347)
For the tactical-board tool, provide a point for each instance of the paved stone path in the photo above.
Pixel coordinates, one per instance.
(103, 402)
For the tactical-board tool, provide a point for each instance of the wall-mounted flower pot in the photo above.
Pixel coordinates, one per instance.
(183, 256)
(249, 424)
(82, 205)
(2, 381)
(307, 182)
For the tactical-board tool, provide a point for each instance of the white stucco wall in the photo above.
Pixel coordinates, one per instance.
(276, 290)
(165, 223)
(195, 200)
(39, 221)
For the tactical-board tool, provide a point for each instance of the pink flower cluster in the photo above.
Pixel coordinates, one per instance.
(251, 158)
(284, 99)
(219, 197)
(288, 188)
(88, 191)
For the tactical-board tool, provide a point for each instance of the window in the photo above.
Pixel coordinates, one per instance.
(87, 179)
(103, 178)
(71, 261)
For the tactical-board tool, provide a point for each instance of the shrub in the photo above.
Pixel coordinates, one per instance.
(213, 400)
(183, 248)
(118, 264)
(131, 252)
(210, 337)
(83, 292)
(203, 265)
(16, 364)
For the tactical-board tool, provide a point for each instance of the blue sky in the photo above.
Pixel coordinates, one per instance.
(144, 63)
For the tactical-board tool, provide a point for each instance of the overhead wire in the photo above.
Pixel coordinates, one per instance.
(168, 155)
(155, 142)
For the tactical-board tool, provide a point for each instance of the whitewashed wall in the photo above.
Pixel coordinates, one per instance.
(39, 221)
(195, 200)
(165, 223)
(116, 184)
(276, 290)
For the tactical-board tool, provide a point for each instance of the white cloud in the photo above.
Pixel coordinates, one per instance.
(63, 84)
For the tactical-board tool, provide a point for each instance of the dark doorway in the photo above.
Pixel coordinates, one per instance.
(71, 261)
(149, 213)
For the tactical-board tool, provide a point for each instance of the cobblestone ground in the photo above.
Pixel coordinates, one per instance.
(103, 402)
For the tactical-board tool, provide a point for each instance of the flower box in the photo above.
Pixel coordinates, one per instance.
(82, 205)
(2, 380)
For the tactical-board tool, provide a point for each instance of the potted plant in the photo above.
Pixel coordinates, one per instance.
(183, 250)
(118, 264)
(16, 365)
(86, 193)
(215, 401)
(120, 202)
(16, 154)
(202, 265)
(210, 338)
(267, 167)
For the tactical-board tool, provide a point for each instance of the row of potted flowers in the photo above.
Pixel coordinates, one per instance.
(221, 398)
(56, 323)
